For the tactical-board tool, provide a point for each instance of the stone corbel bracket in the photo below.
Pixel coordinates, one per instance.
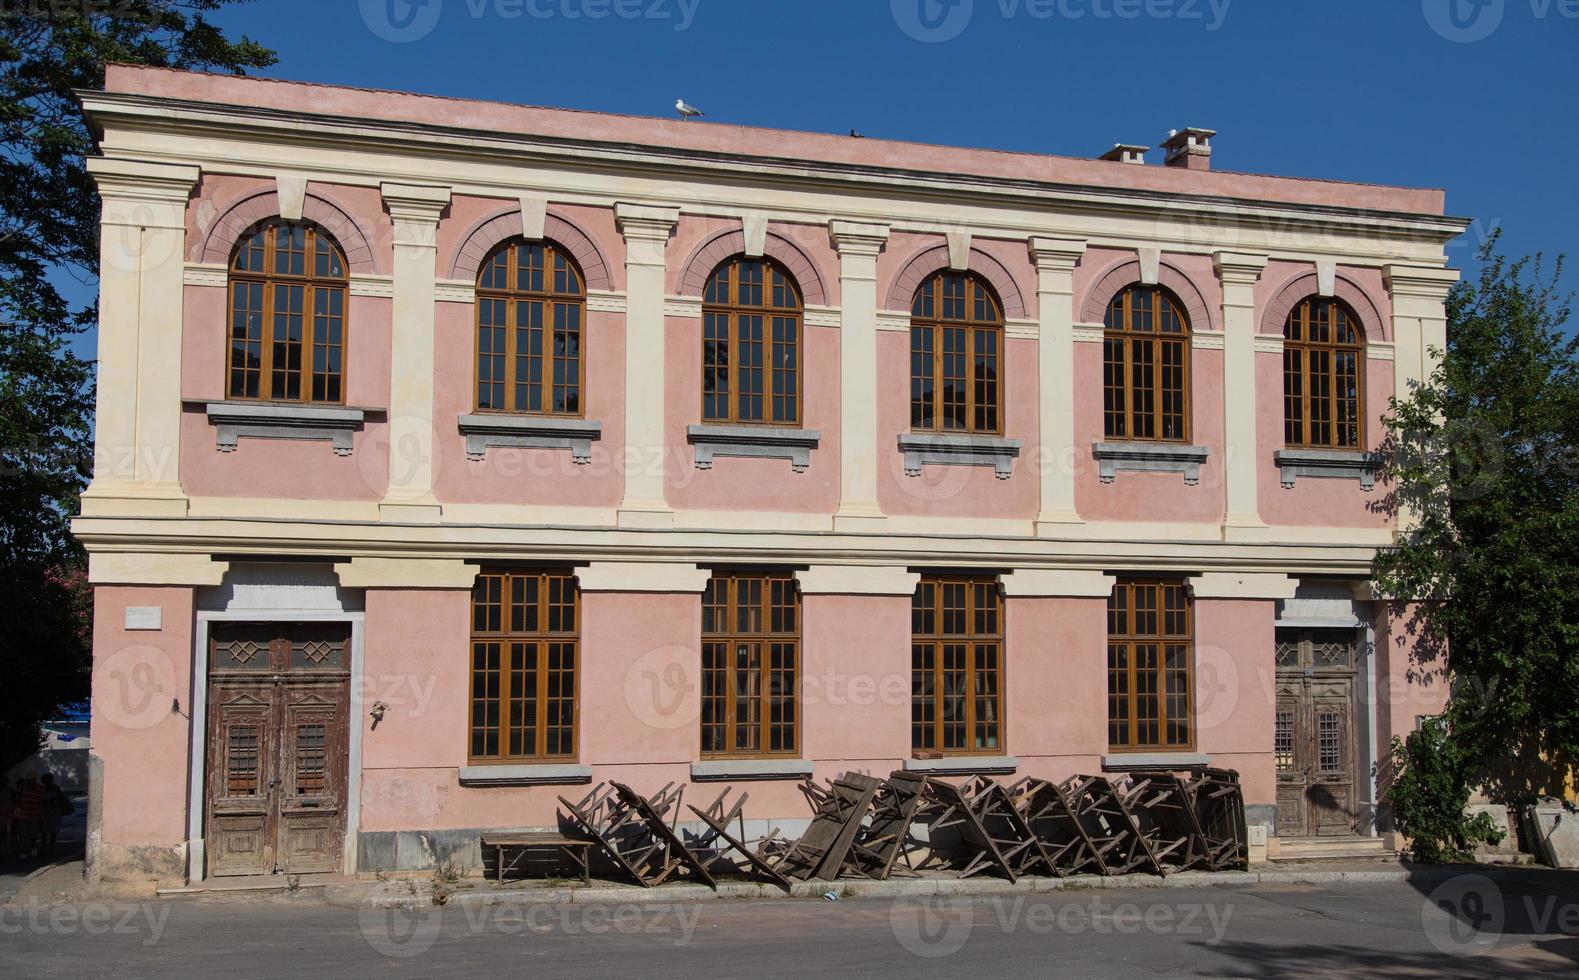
(762, 442)
(486, 431)
(1332, 464)
(921, 448)
(272, 420)
(1149, 457)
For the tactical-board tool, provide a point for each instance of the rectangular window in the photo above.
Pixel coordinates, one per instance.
(751, 664)
(956, 666)
(1150, 666)
(525, 643)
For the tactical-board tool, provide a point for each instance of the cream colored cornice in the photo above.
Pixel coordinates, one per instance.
(206, 121)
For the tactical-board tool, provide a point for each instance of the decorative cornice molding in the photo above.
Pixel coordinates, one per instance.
(893, 320)
(689, 307)
(1422, 282)
(143, 180)
(1207, 341)
(1268, 343)
(205, 274)
(824, 316)
(1088, 333)
(857, 238)
(369, 285)
(599, 301)
(455, 291)
(1022, 329)
(1056, 254)
(1238, 268)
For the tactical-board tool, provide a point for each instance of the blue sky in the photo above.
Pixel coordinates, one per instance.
(1389, 91)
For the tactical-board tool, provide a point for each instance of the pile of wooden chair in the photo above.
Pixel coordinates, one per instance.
(862, 827)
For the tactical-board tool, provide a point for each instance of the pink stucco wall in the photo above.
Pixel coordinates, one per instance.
(1410, 680)
(1235, 691)
(140, 733)
(1055, 677)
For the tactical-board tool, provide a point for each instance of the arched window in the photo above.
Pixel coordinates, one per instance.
(287, 315)
(751, 344)
(531, 304)
(1146, 367)
(1323, 395)
(956, 345)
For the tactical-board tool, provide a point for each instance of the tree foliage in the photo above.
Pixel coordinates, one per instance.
(1429, 794)
(48, 256)
(1482, 457)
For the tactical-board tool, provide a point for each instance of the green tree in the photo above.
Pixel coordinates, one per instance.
(1482, 459)
(48, 257)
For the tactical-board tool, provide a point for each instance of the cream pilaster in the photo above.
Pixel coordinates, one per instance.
(1419, 295)
(137, 423)
(646, 229)
(415, 210)
(858, 245)
(1239, 274)
(1055, 260)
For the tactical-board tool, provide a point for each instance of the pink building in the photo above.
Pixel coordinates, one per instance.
(452, 455)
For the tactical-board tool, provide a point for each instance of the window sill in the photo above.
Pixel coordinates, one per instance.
(484, 431)
(1149, 457)
(759, 441)
(964, 765)
(713, 770)
(233, 420)
(1332, 464)
(1163, 761)
(959, 449)
(546, 774)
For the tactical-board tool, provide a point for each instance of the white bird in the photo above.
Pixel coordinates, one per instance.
(686, 111)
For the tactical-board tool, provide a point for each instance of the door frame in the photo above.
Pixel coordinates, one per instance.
(197, 772)
(1365, 708)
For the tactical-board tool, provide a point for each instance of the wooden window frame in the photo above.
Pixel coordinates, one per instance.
(936, 325)
(269, 280)
(1122, 634)
(732, 309)
(1296, 341)
(766, 638)
(973, 640)
(512, 296)
(535, 643)
(1128, 335)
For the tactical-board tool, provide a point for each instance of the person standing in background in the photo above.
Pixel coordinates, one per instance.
(55, 806)
(29, 815)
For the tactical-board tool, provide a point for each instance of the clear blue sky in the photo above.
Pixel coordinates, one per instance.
(1389, 91)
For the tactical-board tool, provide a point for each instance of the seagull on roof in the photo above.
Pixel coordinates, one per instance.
(686, 111)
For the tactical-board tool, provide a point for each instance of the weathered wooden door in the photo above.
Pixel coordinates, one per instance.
(276, 771)
(1313, 733)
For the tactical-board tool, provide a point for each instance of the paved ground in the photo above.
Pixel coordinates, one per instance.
(1381, 930)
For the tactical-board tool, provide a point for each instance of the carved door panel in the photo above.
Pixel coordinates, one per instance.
(312, 784)
(1313, 733)
(241, 756)
(278, 727)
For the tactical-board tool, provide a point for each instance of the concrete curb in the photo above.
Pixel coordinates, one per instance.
(382, 895)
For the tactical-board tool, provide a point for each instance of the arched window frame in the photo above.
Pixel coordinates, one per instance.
(1150, 409)
(975, 315)
(555, 284)
(1319, 354)
(767, 390)
(267, 287)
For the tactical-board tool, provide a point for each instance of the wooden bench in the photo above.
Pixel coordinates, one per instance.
(576, 849)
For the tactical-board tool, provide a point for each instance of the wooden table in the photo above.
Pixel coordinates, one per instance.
(576, 849)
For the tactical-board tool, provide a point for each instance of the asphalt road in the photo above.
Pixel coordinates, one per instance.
(1375, 930)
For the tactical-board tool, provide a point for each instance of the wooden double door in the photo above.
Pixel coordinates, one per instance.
(278, 720)
(1313, 740)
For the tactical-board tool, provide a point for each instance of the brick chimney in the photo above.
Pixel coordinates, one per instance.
(1189, 148)
(1126, 153)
